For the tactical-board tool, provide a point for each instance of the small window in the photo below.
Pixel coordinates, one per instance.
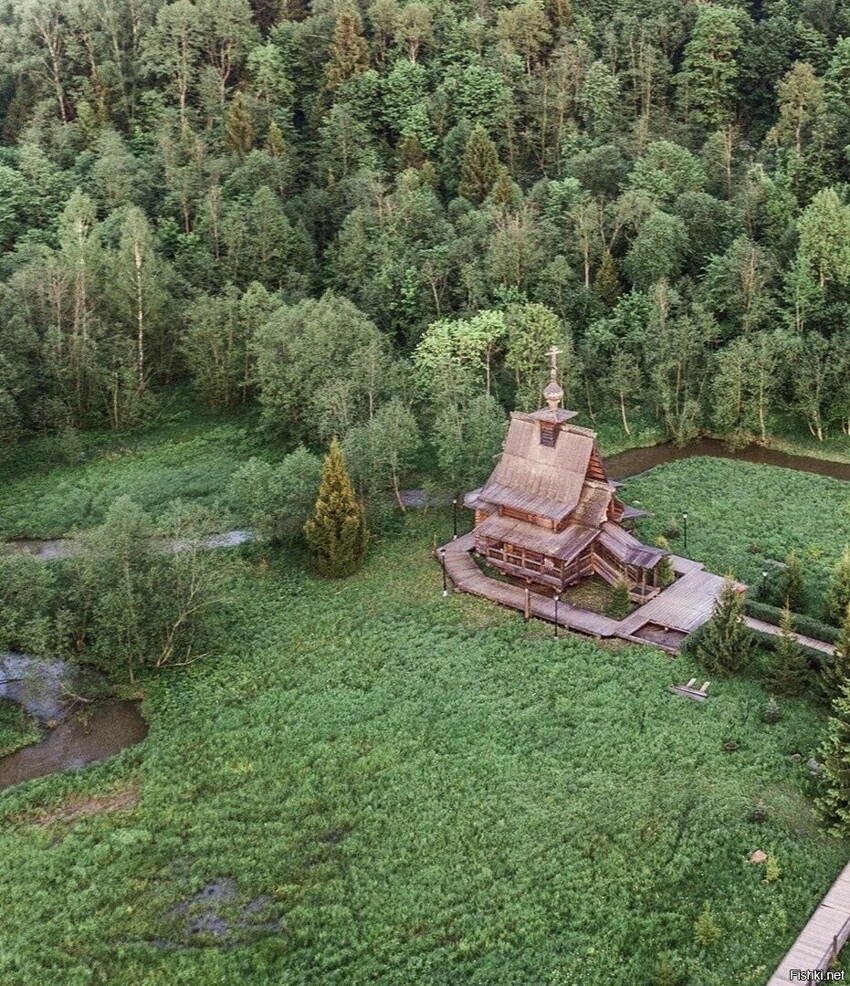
(548, 435)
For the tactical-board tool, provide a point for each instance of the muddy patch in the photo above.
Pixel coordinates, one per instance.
(98, 732)
(219, 912)
(75, 809)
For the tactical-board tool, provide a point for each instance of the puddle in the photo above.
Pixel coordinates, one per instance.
(85, 733)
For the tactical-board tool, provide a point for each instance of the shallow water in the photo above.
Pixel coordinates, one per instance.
(101, 732)
(43, 688)
(67, 547)
(76, 732)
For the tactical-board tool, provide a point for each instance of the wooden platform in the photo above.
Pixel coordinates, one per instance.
(820, 941)
(682, 607)
(801, 638)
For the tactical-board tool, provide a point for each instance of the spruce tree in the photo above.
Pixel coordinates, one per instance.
(788, 667)
(791, 586)
(838, 597)
(410, 152)
(349, 54)
(666, 574)
(836, 673)
(275, 144)
(607, 284)
(725, 643)
(480, 166)
(834, 799)
(238, 127)
(619, 605)
(336, 533)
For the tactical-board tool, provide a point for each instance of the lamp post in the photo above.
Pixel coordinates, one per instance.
(764, 583)
(443, 563)
(557, 600)
(454, 518)
(685, 522)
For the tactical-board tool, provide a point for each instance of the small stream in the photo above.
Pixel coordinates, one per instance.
(76, 732)
(638, 460)
(57, 548)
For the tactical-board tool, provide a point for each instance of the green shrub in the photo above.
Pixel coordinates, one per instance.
(619, 605)
(806, 625)
(771, 713)
(772, 869)
(706, 929)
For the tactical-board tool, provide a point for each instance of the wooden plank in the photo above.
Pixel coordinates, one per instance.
(828, 926)
(801, 638)
(684, 606)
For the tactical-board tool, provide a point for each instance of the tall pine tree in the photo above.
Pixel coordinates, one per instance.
(834, 799)
(480, 166)
(336, 533)
(836, 673)
(238, 127)
(725, 643)
(790, 585)
(349, 53)
(838, 597)
(788, 668)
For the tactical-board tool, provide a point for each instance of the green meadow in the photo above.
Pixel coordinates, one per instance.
(367, 782)
(370, 783)
(745, 518)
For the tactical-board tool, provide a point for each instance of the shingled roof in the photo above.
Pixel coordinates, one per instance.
(566, 545)
(537, 479)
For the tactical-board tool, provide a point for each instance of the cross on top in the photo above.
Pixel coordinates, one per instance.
(554, 353)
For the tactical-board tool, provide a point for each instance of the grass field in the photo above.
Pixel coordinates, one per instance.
(742, 518)
(192, 462)
(370, 783)
(373, 784)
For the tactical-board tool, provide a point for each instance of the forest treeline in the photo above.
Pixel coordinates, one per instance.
(376, 218)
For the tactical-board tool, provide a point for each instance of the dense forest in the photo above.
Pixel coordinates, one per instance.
(374, 219)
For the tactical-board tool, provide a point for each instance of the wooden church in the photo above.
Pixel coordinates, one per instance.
(549, 515)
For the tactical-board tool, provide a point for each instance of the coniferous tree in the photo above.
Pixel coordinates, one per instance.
(336, 533)
(838, 597)
(790, 585)
(834, 799)
(666, 575)
(836, 673)
(619, 605)
(480, 166)
(238, 127)
(606, 283)
(349, 53)
(788, 667)
(275, 144)
(726, 644)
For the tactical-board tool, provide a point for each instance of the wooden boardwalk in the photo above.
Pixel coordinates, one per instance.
(468, 577)
(801, 638)
(684, 606)
(820, 941)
